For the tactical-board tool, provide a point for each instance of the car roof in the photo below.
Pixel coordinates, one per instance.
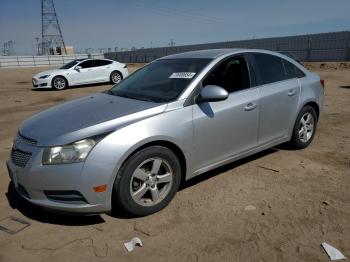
(87, 59)
(216, 53)
(210, 53)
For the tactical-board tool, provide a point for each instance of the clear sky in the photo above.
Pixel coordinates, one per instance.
(110, 23)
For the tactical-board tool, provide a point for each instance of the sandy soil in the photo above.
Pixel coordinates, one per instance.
(279, 205)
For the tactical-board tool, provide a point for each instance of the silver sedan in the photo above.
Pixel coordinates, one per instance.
(176, 118)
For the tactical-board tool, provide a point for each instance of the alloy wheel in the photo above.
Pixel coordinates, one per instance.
(59, 83)
(151, 182)
(116, 78)
(306, 127)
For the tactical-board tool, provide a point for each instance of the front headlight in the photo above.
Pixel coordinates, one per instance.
(72, 153)
(45, 76)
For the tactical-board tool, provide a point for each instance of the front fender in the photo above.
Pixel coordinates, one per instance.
(104, 161)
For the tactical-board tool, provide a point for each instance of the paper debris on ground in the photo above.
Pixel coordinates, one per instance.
(250, 208)
(332, 252)
(135, 241)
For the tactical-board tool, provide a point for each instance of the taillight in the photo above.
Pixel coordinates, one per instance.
(125, 66)
(322, 82)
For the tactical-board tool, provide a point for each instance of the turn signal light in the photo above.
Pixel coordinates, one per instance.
(322, 82)
(100, 188)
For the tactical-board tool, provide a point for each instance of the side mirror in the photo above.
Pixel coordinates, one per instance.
(77, 68)
(212, 93)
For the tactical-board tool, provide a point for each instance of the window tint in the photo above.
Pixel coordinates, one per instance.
(70, 64)
(232, 74)
(160, 81)
(270, 68)
(86, 64)
(101, 62)
(291, 70)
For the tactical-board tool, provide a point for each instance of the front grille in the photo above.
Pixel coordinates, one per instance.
(19, 157)
(66, 196)
(26, 140)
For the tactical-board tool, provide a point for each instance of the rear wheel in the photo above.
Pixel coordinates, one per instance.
(304, 128)
(116, 77)
(148, 181)
(59, 83)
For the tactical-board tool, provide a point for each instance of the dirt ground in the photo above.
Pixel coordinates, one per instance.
(279, 205)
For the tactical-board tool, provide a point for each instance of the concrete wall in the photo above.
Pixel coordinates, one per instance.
(33, 61)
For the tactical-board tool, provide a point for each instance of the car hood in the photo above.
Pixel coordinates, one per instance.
(50, 72)
(85, 117)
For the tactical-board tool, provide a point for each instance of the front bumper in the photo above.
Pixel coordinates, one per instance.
(41, 83)
(40, 184)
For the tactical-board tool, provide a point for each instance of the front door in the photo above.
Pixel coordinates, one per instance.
(84, 75)
(230, 127)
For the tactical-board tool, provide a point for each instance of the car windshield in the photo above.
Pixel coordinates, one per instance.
(70, 64)
(161, 81)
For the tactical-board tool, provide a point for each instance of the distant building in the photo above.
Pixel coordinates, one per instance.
(59, 50)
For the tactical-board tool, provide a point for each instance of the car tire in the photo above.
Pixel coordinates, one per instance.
(115, 77)
(304, 128)
(147, 181)
(59, 83)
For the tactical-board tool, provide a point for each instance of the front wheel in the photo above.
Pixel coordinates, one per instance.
(59, 83)
(116, 77)
(304, 128)
(148, 181)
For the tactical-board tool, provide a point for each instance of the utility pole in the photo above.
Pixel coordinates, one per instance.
(37, 45)
(172, 43)
(51, 35)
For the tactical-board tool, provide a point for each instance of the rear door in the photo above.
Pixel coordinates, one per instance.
(226, 128)
(279, 95)
(102, 69)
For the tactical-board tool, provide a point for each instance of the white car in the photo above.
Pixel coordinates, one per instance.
(81, 72)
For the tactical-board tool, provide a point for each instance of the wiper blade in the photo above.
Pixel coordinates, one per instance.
(134, 97)
(110, 92)
(130, 96)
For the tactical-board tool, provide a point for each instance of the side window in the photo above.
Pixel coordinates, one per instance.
(291, 70)
(270, 68)
(86, 64)
(101, 62)
(231, 74)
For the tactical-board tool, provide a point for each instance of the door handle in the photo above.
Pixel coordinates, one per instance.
(292, 92)
(250, 106)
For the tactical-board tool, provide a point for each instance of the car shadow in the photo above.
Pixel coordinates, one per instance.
(119, 213)
(42, 215)
(222, 169)
(72, 87)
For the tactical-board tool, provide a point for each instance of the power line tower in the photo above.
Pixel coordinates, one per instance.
(51, 34)
(172, 43)
(9, 48)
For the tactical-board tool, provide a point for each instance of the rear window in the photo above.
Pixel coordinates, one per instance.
(291, 70)
(270, 68)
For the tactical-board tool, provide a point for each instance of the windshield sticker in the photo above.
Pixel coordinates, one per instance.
(185, 75)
